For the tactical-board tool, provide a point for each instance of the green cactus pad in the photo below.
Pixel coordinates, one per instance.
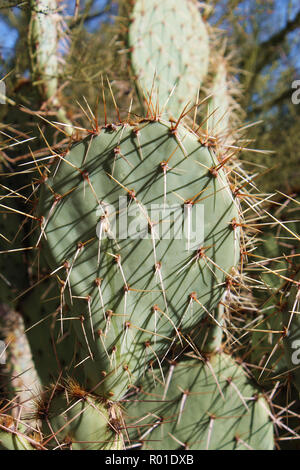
(201, 406)
(219, 104)
(130, 292)
(81, 423)
(11, 441)
(169, 47)
(279, 301)
(208, 335)
(291, 321)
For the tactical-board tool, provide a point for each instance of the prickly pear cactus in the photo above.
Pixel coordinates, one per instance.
(169, 49)
(132, 287)
(13, 441)
(209, 333)
(202, 405)
(130, 292)
(18, 378)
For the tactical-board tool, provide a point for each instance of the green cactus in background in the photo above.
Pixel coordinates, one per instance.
(222, 106)
(118, 222)
(268, 295)
(13, 435)
(43, 41)
(13, 3)
(18, 378)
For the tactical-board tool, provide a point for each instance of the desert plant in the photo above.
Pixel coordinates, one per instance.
(133, 239)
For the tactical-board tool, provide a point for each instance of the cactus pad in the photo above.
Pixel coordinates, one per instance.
(169, 45)
(208, 405)
(130, 293)
(77, 421)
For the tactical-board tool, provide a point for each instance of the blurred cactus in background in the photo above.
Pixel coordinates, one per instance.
(149, 286)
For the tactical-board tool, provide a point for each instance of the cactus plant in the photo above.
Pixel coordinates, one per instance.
(53, 353)
(18, 378)
(13, 3)
(222, 106)
(136, 240)
(156, 278)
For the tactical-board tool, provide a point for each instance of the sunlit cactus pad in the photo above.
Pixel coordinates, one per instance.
(12, 435)
(169, 44)
(210, 405)
(130, 291)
